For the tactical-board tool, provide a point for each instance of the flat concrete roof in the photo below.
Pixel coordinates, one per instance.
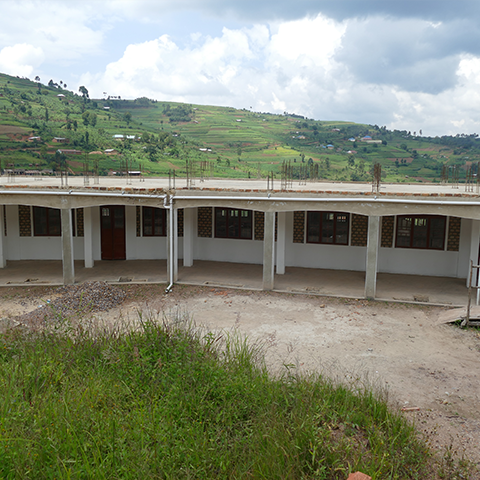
(150, 184)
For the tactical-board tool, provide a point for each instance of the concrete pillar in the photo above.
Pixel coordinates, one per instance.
(175, 244)
(188, 235)
(3, 255)
(88, 237)
(281, 240)
(372, 256)
(473, 257)
(67, 247)
(172, 243)
(269, 251)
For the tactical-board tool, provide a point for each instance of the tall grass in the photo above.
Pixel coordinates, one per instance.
(173, 402)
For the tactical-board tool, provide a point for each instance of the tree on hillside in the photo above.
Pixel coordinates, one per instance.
(84, 93)
(37, 78)
(127, 116)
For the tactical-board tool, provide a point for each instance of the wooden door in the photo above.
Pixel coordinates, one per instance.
(112, 219)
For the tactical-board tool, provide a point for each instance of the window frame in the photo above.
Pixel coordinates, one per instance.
(428, 233)
(230, 222)
(155, 211)
(310, 223)
(49, 225)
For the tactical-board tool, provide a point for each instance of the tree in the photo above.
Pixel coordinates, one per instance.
(127, 116)
(37, 78)
(84, 93)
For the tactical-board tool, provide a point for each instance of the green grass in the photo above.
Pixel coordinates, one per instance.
(170, 401)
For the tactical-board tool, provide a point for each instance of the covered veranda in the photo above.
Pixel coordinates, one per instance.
(336, 283)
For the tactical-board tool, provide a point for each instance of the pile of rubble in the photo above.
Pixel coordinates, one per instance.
(75, 301)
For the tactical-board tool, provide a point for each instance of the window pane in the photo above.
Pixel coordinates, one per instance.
(233, 224)
(437, 233)
(313, 222)
(328, 219)
(147, 221)
(341, 230)
(158, 222)
(420, 229)
(221, 222)
(118, 217)
(246, 224)
(40, 220)
(404, 227)
(54, 225)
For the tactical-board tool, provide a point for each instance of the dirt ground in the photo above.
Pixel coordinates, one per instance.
(429, 369)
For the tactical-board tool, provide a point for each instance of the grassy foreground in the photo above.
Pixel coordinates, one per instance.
(170, 401)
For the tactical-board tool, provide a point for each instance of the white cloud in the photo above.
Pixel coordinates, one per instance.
(20, 59)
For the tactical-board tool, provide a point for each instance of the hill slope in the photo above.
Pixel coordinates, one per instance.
(48, 127)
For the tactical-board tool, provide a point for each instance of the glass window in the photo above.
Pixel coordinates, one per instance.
(154, 222)
(46, 222)
(233, 223)
(328, 227)
(425, 231)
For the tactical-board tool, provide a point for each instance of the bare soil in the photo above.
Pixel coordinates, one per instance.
(430, 370)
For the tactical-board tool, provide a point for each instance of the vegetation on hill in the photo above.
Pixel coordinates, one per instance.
(38, 120)
(170, 401)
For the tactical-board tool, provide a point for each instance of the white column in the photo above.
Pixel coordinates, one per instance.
(88, 237)
(372, 256)
(281, 238)
(188, 235)
(474, 242)
(269, 251)
(67, 247)
(172, 243)
(3, 256)
(175, 244)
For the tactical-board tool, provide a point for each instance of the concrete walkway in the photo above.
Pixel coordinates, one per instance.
(403, 288)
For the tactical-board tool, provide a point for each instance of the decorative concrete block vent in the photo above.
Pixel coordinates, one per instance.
(388, 226)
(205, 215)
(25, 220)
(138, 221)
(180, 222)
(298, 227)
(453, 242)
(359, 230)
(259, 226)
(80, 222)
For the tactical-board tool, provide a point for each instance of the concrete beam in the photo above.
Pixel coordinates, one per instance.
(269, 251)
(67, 247)
(372, 257)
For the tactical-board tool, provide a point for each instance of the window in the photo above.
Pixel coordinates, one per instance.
(233, 223)
(426, 231)
(328, 227)
(154, 222)
(46, 222)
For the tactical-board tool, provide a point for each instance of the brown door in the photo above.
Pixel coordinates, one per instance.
(112, 220)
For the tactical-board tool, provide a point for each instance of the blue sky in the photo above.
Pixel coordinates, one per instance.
(411, 64)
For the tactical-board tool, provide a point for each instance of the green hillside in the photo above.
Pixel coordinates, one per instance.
(38, 120)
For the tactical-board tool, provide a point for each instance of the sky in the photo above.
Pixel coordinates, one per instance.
(405, 64)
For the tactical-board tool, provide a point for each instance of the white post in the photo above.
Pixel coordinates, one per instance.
(281, 240)
(269, 251)
(188, 235)
(3, 256)
(88, 237)
(175, 244)
(372, 256)
(67, 247)
(473, 257)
